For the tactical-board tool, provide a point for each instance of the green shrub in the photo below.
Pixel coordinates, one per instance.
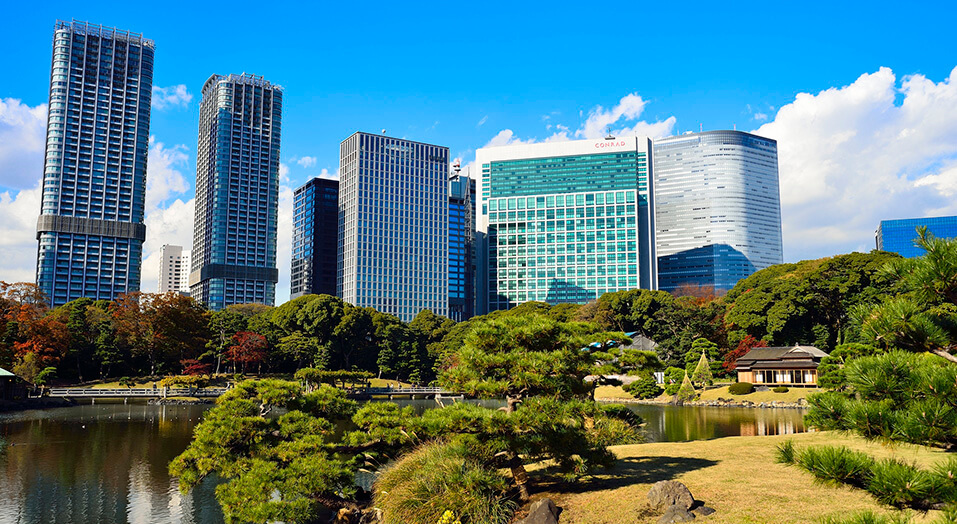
(901, 485)
(785, 453)
(437, 477)
(644, 388)
(780, 389)
(741, 388)
(836, 464)
(672, 389)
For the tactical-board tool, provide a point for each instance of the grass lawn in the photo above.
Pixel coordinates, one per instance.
(611, 392)
(116, 385)
(792, 395)
(384, 383)
(737, 476)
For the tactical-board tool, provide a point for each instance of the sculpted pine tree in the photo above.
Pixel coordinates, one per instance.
(702, 372)
(686, 392)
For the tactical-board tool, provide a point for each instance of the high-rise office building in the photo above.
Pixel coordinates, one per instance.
(315, 238)
(393, 225)
(898, 236)
(174, 269)
(565, 221)
(237, 192)
(717, 208)
(91, 228)
(461, 248)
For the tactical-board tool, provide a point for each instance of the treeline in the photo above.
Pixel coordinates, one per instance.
(160, 334)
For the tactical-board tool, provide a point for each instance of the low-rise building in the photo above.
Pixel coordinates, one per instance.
(780, 366)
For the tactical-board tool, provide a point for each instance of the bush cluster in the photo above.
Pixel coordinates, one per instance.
(644, 388)
(890, 481)
(780, 389)
(741, 388)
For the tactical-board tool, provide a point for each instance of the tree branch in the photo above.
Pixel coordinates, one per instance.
(945, 355)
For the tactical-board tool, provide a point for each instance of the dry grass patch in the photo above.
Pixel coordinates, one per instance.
(737, 476)
(611, 392)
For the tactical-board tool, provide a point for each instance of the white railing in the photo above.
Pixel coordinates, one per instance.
(402, 391)
(136, 392)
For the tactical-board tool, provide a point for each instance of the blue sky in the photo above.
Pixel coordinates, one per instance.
(839, 85)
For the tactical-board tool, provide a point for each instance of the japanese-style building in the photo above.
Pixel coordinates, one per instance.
(786, 366)
(11, 386)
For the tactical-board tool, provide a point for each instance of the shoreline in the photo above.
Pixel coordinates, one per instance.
(721, 403)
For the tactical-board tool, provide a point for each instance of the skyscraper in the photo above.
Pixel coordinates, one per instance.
(237, 192)
(898, 236)
(315, 236)
(565, 221)
(91, 229)
(718, 208)
(174, 269)
(461, 248)
(393, 225)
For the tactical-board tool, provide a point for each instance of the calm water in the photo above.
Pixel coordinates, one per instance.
(106, 463)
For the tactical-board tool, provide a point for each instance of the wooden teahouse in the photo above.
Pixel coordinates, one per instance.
(780, 366)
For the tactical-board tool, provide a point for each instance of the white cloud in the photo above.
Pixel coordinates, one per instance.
(18, 242)
(284, 243)
(172, 224)
(482, 121)
(283, 172)
(851, 156)
(163, 175)
(172, 96)
(760, 117)
(22, 140)
(326, 174)
(306, 161)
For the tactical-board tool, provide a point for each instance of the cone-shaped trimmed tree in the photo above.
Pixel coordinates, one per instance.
(686, 392)
(702, 373)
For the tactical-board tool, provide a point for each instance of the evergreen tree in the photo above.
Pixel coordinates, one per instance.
(702, 372)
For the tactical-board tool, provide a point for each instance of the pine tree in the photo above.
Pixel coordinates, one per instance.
(702, 373)
(686, 392)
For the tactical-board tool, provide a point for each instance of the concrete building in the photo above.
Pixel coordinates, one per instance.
(565, 221)
(237, 192)
(174, 269)
(393, 225)
(315, 236)
(898, 236)
(91, 227)
(717, 208)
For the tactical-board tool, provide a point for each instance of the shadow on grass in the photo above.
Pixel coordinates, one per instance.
(627, 471)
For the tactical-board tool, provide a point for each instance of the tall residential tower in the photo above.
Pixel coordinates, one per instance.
(565, 221)
(91, 228)
(315, 233)
(174, 269)
(718, 208)
(237, 192)
(461, 248)
(393, 225)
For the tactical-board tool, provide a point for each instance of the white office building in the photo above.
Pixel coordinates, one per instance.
(174, 269)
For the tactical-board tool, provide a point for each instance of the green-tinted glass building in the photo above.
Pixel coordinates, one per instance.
(565, 222)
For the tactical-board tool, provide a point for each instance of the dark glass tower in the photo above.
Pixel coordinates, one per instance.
(237, 192)
(898, 236)
(314, 238)
(91, 228)
(461, 248)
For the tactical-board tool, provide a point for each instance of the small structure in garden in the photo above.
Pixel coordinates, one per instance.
(790, 366)
(12, 387)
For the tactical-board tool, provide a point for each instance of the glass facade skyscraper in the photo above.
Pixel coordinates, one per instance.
(91, 228)
(393, 225)
(237, 192)
(565, 221)
(897, 236)
(315, 238)
(461, 248)
(717, 208)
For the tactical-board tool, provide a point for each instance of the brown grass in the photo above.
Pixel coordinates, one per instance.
(737, 476)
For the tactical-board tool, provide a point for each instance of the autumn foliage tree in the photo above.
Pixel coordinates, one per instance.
(248, 348)
(747, 344)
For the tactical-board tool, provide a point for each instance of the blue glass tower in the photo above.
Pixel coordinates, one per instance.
(91, 229)
(898, 236)
(565, 222)
(461, 248)
(393, 225)
(717, 208)
(314, 238)
(237, 192)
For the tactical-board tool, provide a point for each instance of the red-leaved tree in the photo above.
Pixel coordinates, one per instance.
(192, 366)
(247, 348)
(746, 344)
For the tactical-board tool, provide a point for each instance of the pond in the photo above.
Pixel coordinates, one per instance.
(106, 463)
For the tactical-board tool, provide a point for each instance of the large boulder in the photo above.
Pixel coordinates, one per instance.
(669, 493)
(676, 514)
(542, 511)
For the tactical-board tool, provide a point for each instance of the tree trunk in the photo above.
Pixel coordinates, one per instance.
(519, 475)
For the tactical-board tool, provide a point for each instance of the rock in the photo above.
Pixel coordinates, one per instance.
(703, 511)
(371, 516)
(670, 493)
(676, 514)
(542, 511)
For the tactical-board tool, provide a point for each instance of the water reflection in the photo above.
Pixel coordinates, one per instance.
(106, 463)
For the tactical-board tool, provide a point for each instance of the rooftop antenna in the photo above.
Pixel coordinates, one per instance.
(383, 131)
(608, 135)
(700, 127)
(734, 126)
